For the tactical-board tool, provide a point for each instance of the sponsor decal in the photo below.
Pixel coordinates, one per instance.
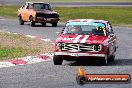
(68, 38)
(85, 23)
(74, 54)
(83, 78)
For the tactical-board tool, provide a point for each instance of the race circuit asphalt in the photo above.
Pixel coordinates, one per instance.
(46, 75)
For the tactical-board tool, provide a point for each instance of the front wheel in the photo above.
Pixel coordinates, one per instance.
(54, 24)
(57, 60)
(105, 60)
(32, 22)
(112, 58)
(21, 22)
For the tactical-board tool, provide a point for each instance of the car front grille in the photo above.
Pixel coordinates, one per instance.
(47, 15)
(78, 47)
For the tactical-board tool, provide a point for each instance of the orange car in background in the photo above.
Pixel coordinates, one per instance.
(37, 12)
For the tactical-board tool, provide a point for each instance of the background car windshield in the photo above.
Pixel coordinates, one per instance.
(85, 29)
(41, 6)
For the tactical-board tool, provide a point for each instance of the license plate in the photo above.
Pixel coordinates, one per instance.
(73, 54)
(49, 19)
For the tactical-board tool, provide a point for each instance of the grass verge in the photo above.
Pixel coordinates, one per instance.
(14, 46)
(116, 15)
(13, 52)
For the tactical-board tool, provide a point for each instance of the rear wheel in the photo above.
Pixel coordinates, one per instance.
(21, 22)
(57, 60)
(54, 24)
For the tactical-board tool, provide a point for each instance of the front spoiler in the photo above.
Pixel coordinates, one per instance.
(79, 54)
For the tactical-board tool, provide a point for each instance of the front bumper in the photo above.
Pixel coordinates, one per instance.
(47, 20)
(70, 54)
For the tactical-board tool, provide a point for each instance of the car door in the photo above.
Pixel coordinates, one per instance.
(25, 11)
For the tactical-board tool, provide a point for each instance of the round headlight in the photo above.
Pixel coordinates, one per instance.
(59, 45)
(97, 47)
(63, 44)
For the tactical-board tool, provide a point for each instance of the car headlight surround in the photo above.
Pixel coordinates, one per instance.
(63, 44)
(59, 45)
(97, 47)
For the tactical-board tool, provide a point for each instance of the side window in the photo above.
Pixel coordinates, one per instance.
(27, 7)
(110, 28)
(24, 6)
(49, 7)
(30, 6)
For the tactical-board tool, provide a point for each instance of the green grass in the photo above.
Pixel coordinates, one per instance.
(16, 45)
(12, 52)
(116, 15)
(8, 11)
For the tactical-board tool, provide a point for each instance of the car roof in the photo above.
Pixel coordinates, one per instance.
(87, 20)
(37, 2)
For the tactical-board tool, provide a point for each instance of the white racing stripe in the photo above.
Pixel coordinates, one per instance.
(77, 38)
(84, 39)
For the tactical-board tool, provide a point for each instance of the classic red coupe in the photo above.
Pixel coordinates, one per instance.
(84, 40)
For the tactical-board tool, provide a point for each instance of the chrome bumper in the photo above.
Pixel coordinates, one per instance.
(78, 54)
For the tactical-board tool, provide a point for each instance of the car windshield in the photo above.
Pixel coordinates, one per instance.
(98, 29)
(41, 6)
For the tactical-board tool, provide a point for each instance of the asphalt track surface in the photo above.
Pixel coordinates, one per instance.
(46, 75)
(69, 4)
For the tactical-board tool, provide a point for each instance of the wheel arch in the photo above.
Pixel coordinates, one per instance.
(19, 15)
(30, 17)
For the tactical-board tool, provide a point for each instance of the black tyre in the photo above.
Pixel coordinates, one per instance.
(112, 58)
(32, 22)
(104, 61)
(57, 60)
(21, 22)
(43, 24)
(54, 24)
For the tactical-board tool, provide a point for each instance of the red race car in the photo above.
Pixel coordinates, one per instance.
(84, 40)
